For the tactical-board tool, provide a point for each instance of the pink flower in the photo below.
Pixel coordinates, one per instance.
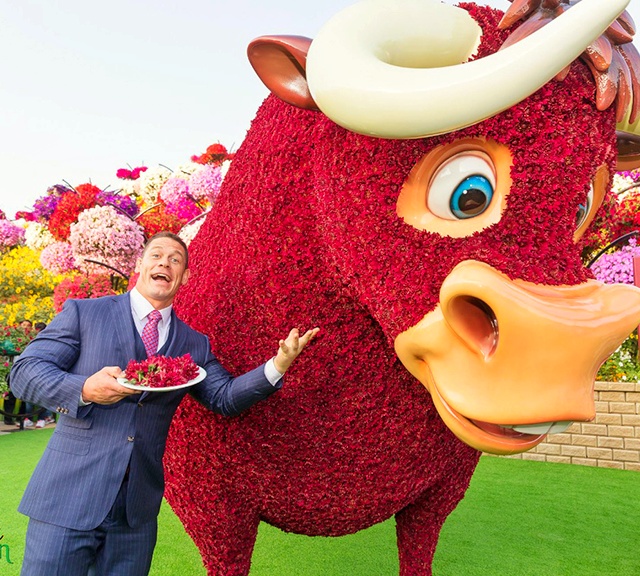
(58, 258)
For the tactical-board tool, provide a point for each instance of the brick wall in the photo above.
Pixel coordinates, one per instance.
(612, 440)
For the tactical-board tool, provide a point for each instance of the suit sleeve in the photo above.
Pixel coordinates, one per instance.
(230, 396)
(40, 375)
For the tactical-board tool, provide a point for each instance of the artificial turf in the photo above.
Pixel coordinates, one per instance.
(519, 518)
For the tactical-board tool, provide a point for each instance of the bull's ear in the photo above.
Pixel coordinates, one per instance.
(280, 62)
(628, 151)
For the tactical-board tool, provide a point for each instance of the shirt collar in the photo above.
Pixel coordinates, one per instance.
(140, 306)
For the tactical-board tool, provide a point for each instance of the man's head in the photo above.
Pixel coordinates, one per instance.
(163, 268)
(26, 324)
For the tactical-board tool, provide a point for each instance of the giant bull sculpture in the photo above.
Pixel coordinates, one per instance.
(428, 220)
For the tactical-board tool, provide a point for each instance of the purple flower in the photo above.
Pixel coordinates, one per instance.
(124, 203)
(617, 267)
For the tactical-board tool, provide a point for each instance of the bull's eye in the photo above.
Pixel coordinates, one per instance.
(471, 197)
(462, 187)
(458, 188)
(584, 209)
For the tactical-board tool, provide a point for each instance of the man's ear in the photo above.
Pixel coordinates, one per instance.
(138, 262)
(185, 276)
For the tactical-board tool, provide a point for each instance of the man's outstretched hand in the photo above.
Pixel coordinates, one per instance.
(289, 349)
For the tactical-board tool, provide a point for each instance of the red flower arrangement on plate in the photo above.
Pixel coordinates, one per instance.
(162, 371)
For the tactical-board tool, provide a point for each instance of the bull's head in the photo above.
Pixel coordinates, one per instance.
(509, 353)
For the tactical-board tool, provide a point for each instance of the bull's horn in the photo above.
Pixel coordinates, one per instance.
(398, 68)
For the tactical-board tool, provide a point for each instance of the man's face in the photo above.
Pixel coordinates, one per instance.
(162, 271)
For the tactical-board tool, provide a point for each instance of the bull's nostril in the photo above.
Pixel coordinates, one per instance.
(475, 322)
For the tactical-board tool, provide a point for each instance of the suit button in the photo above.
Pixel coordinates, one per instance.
(130, 438)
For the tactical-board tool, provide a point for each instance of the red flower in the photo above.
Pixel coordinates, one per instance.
(215, 154)
(135, 173)
(69, 207)
(125, 174)
(161, 371)
(91, 286)
(159, 219)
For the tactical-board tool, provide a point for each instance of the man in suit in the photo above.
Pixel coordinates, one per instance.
(94, 497)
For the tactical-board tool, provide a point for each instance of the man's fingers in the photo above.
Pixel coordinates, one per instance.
(308, 336)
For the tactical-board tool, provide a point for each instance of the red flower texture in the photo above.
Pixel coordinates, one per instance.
(69, 207)
(161, 371)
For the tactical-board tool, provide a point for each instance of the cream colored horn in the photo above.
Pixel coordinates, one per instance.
(398, 68)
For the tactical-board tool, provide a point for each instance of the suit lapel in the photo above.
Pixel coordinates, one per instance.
(176, 342)
(123, 321)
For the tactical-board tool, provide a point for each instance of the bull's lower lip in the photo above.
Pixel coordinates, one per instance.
(486, 436)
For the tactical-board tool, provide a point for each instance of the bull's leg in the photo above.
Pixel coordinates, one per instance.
(226, 539)
(418, 525)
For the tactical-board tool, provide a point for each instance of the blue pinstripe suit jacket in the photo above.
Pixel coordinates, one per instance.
(76, 482)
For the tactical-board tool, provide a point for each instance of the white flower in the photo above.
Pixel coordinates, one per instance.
(37, 236)
(150, 183)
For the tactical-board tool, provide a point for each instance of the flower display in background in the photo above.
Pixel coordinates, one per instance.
(216, 154)
(37, 236)
(617, 267)
(205, 183)
(13, 339)
(10, 234)
(58, 258)
(188, 231)
(157, 219)
(174, 190)
(45, 206)
(149, 185)
(104, 235)
(133, 174)
(69, 225)
(120, 202)
(25, 287)
(81, 287)
(69, 207)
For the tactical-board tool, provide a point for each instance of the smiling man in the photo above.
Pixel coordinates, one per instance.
(94, 497)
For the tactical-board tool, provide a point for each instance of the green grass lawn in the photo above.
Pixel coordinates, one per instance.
(518, 518)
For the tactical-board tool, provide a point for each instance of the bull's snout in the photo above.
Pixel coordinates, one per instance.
(508, 361)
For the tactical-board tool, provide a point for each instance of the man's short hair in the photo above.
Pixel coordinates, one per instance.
(172, 236)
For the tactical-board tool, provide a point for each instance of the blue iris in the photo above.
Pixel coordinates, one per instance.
(471, 197)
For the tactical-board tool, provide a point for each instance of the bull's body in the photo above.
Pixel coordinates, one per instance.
(352, 439)
(305, 233)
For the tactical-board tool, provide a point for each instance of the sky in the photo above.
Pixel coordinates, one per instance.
(90, 87)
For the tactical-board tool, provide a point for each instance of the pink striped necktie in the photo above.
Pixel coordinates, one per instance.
(150, 335)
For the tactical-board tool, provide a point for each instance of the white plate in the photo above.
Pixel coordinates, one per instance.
(199, 378)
